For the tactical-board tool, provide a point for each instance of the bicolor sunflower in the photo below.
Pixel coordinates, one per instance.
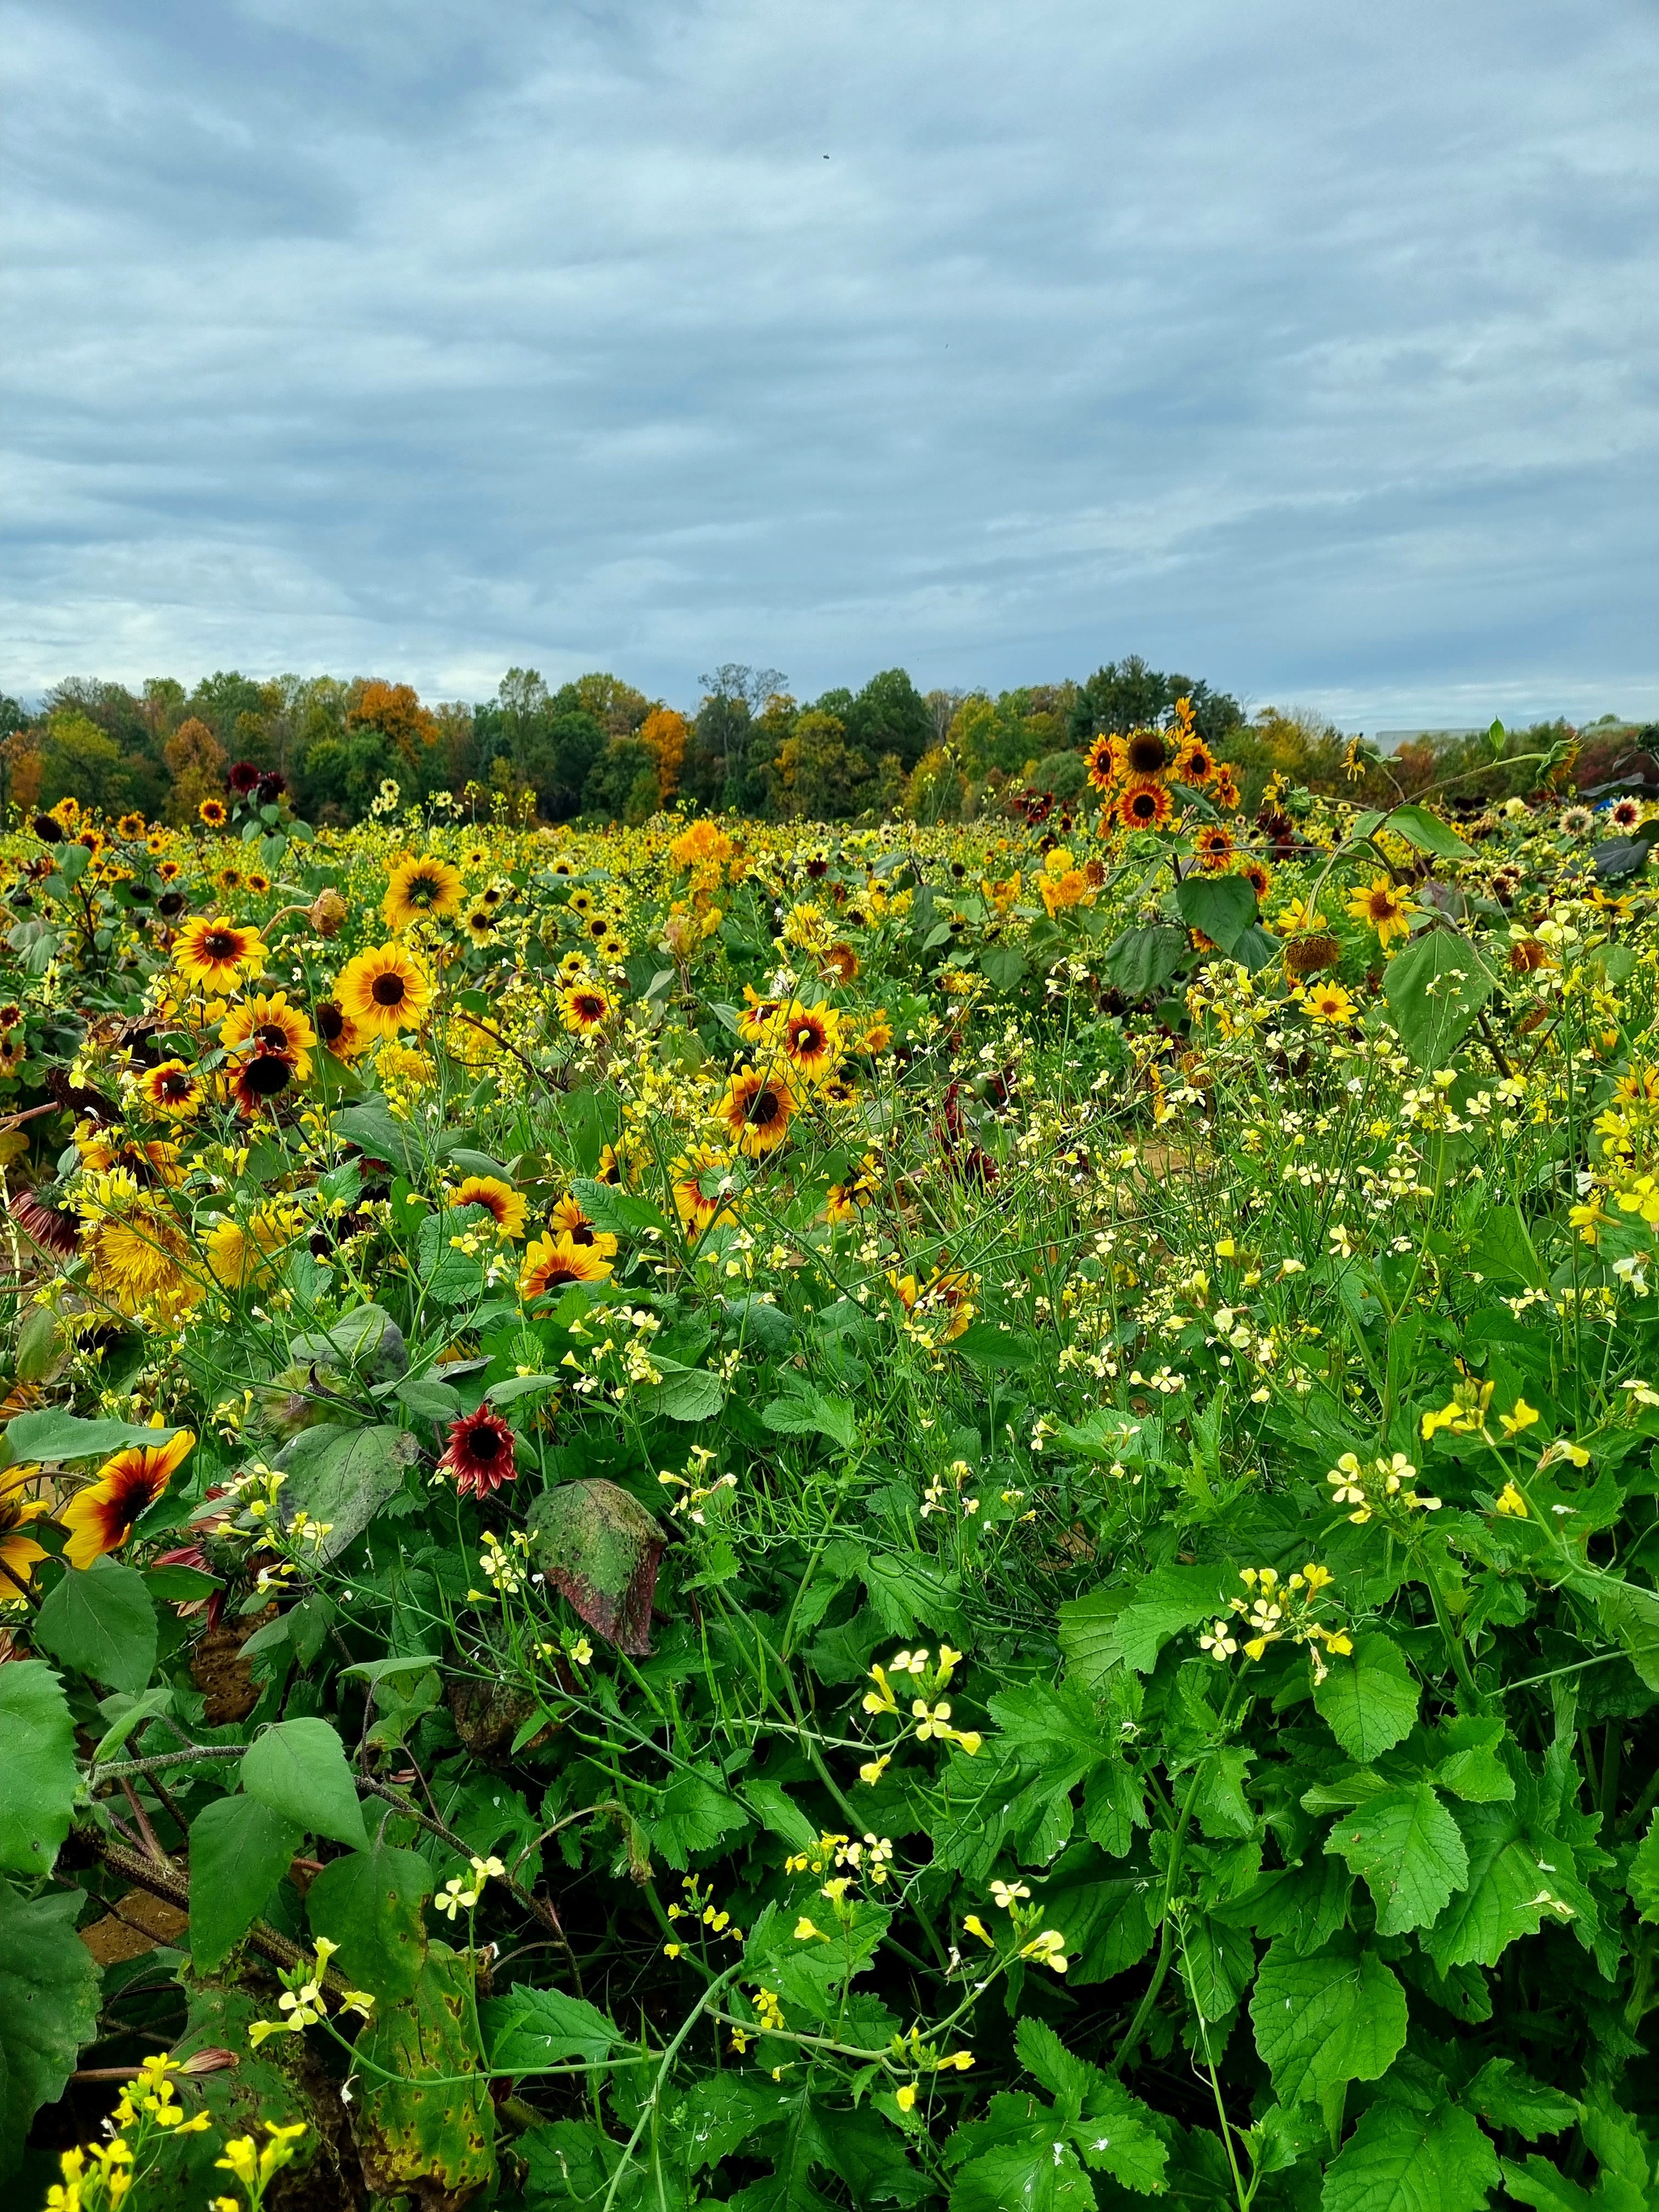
(214, 813)
(339, 1033)
(271, 1025)
(215, 955)
(1214, 846)
(100, 1517)
(18, 1551)
(1143, 805)
(420, 887)
(505, 1206)
(583, 1008)
(757, 1110)
(551, 1262)
(702, 1182)
(1100, 765)
(385, 990)
(568, 1220)
(809, 1040)
(171, 1088)
(1385, 906)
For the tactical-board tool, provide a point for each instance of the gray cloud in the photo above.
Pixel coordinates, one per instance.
(1311, 352)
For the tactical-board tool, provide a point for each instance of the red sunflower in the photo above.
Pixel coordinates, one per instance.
(479, 1454)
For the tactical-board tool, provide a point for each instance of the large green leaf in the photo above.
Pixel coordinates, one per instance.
(298, 1768)
(1142, 960)
(370, 1904)
(101, 1621)
(1428, 833)
(1435, 989)
(1017, 2159)
(54, 1436)
(1337, 2017)
(530, 2028)
(1223, 907)
(600, 1549)
(48, 2007)
(1513, 1877)
(1643, 1878)
(1369, 1701)
(38, 1796)
(1399, 2159)
(1409, 1850)
(343, 1476)
(240, 1849)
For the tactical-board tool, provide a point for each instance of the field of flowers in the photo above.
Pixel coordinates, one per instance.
(720, 1514)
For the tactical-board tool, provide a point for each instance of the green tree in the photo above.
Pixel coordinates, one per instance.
(890, 715)
(819, 777)
(80, 761)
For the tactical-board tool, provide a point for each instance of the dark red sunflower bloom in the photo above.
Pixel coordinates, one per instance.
(479, 1454)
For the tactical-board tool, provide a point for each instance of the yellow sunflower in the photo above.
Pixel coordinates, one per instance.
(417, 887)
(1328, 1004)
(384, 991)
(505, 1205)
(18, 1551)
(271, 1025)
(553, 1261)
(215, 955)
(171, 1088)
(1385, 906)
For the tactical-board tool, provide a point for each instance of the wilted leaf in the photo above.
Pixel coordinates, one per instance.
(600, 1549)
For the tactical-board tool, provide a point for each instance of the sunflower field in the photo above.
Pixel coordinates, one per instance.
(730, 1514)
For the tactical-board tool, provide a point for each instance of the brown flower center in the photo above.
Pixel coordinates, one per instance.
(388, 990)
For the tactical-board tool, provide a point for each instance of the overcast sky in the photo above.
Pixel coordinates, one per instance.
(1310, 349)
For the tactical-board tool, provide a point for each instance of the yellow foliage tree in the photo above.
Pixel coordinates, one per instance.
(196, 761)
(664, 732)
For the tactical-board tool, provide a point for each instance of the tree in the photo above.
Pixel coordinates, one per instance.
(733, 696)
(80, 761)
(22, 769)
(890, 715)
(396, 711)
(621, 784)
(219, 699)
(1127, 694)
(197, 763)
(665, 733)
(819, 776)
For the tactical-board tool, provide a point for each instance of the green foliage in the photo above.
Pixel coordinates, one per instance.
(101, 1620)
(48, 2007)
(41, 1781)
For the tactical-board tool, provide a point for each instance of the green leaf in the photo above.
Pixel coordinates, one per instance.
(48, 2007)
(1223, 907)
(1003, 965)
(343, 1476)
(1428, 833)
(1113, 2130)
(376, 1130)
(428, 1399)
(1369, 1702)
(805, 1412)
(240, 1849)
(101, 1621)
(1141, 960)
(599, 1548)
(693, 1813)
(298, 1768)
(1400, 2161)
(376, 1670)
(55, 1437)
(527, 2029)
(1469, 1765)
(39, 1793)
(1435, 988)
(1501, 2093)
(1409, 1851)
(1642, 1881)
(994, 1344)
(125, 1713)
(1337, 2017)
(370, 1904)
(684, 1394)
(618, 1213)
(1166, 1602)
(1508, 1891)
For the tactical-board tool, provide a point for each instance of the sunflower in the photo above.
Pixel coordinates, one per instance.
(552, 1261)
(1143, 805)
(1142, 756)
(480, 926)
(1577, 821)
(1214, 847)
(479, 1454)
(100, 1517)
(1224, 792)
(839, 964)
(384, 991)
(257, 882)
(18, 1553)
(339, 1033)
(171, 1088)
(756, 1110)
(215, 955)
(1388, 909)
(240, 1252)
(581, 901)
(1260, 877)
(1101, 764)
(140, 1258)
(1328, 1004)
(617, 1165)
(702, 1182)
(417, 887)
(754, 1023)
(568, 1220)
(584, 1007)
(1194, 763)
(809, 1038)
(505, 1205)
(130, 826)
(271, 1025)
(214, 813)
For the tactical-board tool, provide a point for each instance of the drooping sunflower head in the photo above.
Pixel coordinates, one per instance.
(421, 886)
(214, 955)
(385, 990)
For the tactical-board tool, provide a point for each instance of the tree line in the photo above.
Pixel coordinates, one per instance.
(600, 750)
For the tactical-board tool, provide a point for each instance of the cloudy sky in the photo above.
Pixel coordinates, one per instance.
(1310, 349)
